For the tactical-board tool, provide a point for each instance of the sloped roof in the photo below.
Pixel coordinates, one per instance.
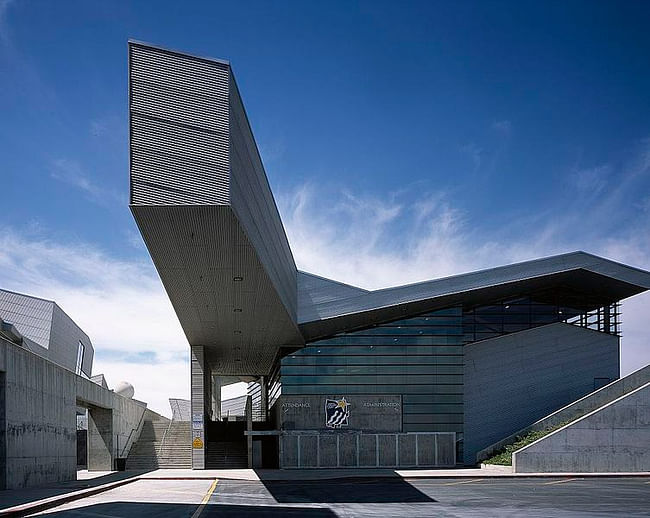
(585, 272)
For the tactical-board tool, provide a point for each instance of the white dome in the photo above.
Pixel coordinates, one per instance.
(125, 389)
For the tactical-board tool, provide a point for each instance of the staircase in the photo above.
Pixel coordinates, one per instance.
(226, 446)
(226, 455)
(162, 444)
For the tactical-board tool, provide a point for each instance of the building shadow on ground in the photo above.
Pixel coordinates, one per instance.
(13, 497)
(357, 490)
(161, 510)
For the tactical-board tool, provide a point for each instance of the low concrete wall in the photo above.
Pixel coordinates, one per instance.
(576, 409)
(614, 438)
(39, 436)
(305, 449)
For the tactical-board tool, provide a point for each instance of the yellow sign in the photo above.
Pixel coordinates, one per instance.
(197, 443)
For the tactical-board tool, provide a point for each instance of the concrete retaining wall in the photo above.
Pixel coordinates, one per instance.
(365, 450)
(614, 438)
(38, 402)
(514, 380)
(576, 409)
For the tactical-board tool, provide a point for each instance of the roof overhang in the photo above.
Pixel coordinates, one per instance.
(600, 281)
(202, 202)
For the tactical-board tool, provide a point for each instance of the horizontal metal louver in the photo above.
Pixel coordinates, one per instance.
(179, 129)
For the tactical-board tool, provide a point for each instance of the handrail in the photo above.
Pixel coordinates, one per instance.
(162, 443)
(131, 432)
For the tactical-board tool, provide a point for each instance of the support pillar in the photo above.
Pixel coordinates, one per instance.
(216, 398)
(200, 404)
(264, 398)
(249, 427)
(100, 439)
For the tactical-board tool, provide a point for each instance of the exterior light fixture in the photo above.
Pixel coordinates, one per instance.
(237, 279)
(237, 310)
(237, 331)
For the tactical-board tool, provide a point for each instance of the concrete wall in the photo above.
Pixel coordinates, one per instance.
(514, 380)
(576, 409)
(41, 423)
(367, 450)
(614, 438)
(38, 439)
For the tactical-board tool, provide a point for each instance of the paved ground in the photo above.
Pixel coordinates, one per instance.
(543, 497)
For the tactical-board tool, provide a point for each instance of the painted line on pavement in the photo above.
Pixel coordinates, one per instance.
(559, 481)
(206, 499)
(463, 482)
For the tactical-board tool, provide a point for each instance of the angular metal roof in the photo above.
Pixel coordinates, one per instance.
(591, 275)
(202, 201)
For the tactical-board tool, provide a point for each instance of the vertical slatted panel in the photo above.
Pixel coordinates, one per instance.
(197, 396)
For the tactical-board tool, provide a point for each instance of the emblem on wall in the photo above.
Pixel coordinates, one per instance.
(336, 413)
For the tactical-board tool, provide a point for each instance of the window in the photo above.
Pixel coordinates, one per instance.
(80, 358)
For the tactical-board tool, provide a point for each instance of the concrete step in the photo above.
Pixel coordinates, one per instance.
(162, 445)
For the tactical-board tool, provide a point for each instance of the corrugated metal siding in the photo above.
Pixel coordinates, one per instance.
(47, 326)
(481, 279)
(31, 316)
(179, 128)
(313, 289)
(514, 380)
(255, 207)
(64, 342)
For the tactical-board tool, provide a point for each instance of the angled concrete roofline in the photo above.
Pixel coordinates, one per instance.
(394, 302)
(209, 59)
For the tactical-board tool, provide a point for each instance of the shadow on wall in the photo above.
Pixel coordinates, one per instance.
(366, 491)
(156, 510)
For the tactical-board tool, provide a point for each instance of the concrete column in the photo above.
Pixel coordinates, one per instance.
(216, 398)
(249, 427)
(198, 393)
(264, 398)
(100, 439)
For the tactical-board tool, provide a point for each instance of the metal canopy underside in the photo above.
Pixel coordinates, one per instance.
(220, 291)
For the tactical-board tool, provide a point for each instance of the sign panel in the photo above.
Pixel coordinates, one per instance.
(197, 443)
(337, 412)
(367, 413)
(197, 421)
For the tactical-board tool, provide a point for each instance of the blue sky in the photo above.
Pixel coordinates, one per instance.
(403, 141)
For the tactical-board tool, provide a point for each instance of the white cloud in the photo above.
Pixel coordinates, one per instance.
(71, 173)
(475, 153)
(4, 28)
(120, 304)
(424, 236)
(503, 126)
(369, 241)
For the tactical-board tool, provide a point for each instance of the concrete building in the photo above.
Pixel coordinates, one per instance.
(427, 374)
(47, 331)
(45, 366)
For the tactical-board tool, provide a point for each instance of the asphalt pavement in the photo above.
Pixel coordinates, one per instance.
(453, 497)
